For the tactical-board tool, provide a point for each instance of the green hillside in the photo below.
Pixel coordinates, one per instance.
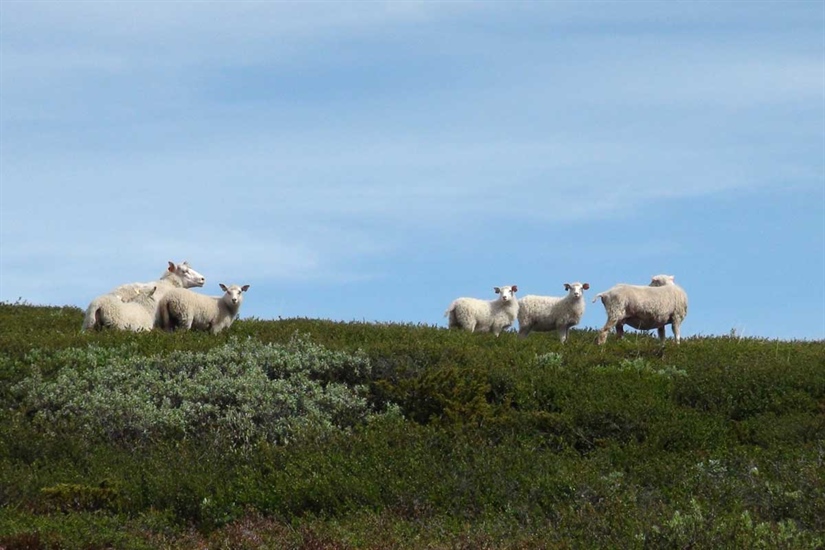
(302, 433)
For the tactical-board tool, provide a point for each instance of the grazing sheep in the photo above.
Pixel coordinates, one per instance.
(482, 315)
(661, 303)
(136, 313)
(546, 313)
(182, 308)
(176, 276)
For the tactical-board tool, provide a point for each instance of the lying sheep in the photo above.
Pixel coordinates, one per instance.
(546, 313)
(477, 315)
(136, 313)
(661, 303)
(182, 308)
(176, 276)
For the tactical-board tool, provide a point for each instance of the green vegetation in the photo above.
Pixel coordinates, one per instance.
(302, 433)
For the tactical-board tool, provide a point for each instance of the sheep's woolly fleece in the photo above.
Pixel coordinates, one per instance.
(546, 313)
(184, 309)
(661, 303)
(475, 315)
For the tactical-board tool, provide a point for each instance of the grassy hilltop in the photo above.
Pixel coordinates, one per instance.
(302, 433)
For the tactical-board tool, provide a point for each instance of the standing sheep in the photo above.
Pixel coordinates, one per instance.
(661, 303)
(546, 313)
(136, 313)
(477, 315)
(182, 308)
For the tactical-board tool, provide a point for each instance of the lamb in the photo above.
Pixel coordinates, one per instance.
(176, 276)
(546, 313)
(661, 303)
(182, 308)
(136, 313)
(477, 315)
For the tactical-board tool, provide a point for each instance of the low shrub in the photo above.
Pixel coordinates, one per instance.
(236, 394)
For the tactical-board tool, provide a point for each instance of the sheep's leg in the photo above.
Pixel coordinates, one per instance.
(608, 326)
(661, 332)
(183, 322)
(98, 321)
(676, 332)
(524, 331)
(619, 331)
(563, 333)
(163, 319)
(452, 322)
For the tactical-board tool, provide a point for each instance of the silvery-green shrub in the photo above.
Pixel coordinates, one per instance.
(238, 393)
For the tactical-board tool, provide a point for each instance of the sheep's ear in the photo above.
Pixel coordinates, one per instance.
(154, 288)
(171, 266)
(566, 286)
(586, 286)
(515, 288)
(223, 287)
(497, 289)
(244, 288)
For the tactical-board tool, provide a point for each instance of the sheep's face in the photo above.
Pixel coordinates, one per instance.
(189, 276)
(576, 289)
(506, 293)
(234, 293)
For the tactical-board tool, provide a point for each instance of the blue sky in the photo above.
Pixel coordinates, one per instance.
(375, 160)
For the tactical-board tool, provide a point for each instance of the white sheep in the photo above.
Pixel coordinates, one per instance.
(136, 313)
(661, 303)
(182, 308)
(546, 313)
(477, 315)
(176, 276)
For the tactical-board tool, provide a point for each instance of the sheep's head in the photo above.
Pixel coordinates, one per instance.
(576, 289)
(662, 280)
(139, 293)
(143, 295)
(234, 293)
(506, 293)
(189, 277)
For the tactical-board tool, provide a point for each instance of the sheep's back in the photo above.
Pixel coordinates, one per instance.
(550, 312)
(536, 306)
(646, 307)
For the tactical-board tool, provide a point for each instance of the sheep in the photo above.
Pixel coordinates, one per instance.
(477, 315)
(182, 308)
(661, 303)
(546, 313)
(137, 313)
(176, 276)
